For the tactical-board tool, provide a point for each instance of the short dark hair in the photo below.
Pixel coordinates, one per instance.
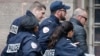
(60, 31)
(28, 24)
(37, 5)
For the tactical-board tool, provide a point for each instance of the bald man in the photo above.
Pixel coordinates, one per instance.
(78, 20)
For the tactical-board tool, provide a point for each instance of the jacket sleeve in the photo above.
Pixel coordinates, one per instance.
(67, 49)
(31, 47)
(80, 36)
(45, 31)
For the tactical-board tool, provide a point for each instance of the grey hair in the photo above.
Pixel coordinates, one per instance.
(78, 11)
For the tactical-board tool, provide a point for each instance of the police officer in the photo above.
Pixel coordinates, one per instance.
(58, 12)
(60, 42)
(24, 43)
(36, 10)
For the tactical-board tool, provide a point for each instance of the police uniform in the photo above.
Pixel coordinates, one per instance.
(14, 28)
(22, 44)
(64, 47)
(46, 29)
(48, 25)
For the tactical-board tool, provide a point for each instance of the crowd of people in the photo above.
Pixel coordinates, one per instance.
(53, 37)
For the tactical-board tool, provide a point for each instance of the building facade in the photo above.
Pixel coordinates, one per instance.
(11, 9)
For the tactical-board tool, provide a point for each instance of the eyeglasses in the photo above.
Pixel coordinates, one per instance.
(63, 10)
(83, 17)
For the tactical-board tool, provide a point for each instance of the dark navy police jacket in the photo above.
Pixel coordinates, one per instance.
(64, 47)
(14, 28)
(46, 28)
(22, 44)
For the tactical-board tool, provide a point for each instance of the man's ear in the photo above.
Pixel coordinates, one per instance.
(69, 33)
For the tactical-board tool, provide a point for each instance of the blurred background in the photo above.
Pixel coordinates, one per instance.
(12, 9)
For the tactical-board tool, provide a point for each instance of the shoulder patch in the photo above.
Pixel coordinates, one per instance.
(33, 45)
(13, 48)
(14, 29)
(45, 30)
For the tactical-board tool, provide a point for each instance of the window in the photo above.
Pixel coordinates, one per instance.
(97, 34)
(97, 50)
(97, 28)
(97, 1)
(97, 15)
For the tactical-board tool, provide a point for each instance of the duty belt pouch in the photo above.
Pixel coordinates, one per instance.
(49, 52)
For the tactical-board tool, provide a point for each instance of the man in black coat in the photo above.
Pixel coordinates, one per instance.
(78, 20)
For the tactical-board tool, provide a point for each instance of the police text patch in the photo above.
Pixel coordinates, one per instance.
(49, 52)
(13, 48)
(14, 29)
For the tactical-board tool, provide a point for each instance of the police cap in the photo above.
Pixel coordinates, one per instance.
(56, 5)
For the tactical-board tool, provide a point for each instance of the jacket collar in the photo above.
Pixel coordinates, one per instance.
(29, 13)
(54, 18)
(76, 21)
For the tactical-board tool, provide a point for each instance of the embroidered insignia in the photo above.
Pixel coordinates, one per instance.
(34, 45)
(45, 30)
